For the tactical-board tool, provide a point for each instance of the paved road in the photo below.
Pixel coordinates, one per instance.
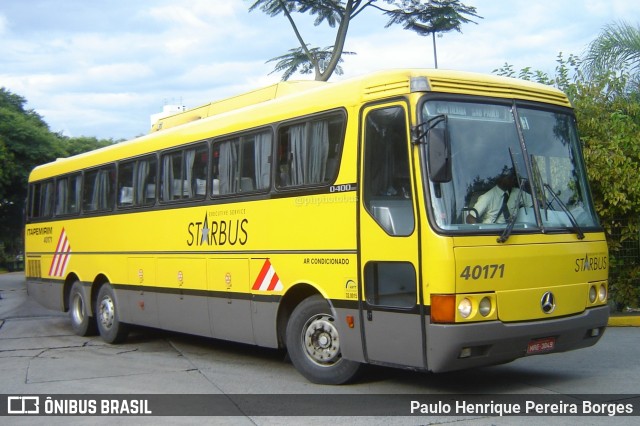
(39, 354)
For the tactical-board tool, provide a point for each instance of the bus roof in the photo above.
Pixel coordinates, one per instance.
(235, 102)
(287, 100)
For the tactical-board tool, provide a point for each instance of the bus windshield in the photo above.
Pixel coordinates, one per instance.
(513, 166)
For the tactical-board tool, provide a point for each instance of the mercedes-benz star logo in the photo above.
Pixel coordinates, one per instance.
(548, 302)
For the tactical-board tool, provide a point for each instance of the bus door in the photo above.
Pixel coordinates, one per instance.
(388, 241)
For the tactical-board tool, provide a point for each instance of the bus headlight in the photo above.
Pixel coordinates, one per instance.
(592, 294)
(464, 308)
(485, 306)
(602, 293)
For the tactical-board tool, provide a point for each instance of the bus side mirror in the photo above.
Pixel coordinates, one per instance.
(439, 151)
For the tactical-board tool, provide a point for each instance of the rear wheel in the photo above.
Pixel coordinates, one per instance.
(108, 318)
(81, 322)
(313, 344)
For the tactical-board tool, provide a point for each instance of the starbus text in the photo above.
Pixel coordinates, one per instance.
(218, 233)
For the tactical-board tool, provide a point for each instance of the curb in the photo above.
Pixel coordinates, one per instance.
(624, 321)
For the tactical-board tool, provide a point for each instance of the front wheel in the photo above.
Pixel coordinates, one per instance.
(313, 344)
(108, 318)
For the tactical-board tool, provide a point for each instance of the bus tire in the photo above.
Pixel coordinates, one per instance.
(108, 318)
(313, 344)
(81, 322)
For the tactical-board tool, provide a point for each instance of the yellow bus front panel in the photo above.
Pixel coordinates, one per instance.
(521, 272)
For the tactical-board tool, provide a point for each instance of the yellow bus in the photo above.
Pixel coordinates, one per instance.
(425, 219)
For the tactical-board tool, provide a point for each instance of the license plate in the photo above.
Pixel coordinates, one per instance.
(538, 346)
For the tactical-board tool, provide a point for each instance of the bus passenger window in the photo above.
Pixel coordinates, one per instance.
(181, 171)
(145, 181)
(125, 183)
(225, 167)
(61, 195)
(172, 181)
(99, 187)
(136, 182)
(197, 161)
(40, 200)
(308, 152)
(68, 195)
(242, 164)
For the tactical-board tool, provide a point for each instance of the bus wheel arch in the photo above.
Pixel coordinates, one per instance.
(292, 298)
(313, 340)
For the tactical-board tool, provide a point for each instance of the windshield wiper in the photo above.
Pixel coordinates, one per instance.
(564, 208)
(514, 215)
(421, 130)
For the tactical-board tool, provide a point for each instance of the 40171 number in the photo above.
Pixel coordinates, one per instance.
(483, 272)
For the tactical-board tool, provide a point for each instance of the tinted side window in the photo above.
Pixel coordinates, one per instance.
(308, 151)
(126, 172)
(68, 194)
(99, 189)
(242, 164)
(137, 182)
(145, 180)
(40, 200)
(184, 173)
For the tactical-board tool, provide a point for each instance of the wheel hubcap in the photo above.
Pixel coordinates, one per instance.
(77, 309)
(107, 312)
(321, 340)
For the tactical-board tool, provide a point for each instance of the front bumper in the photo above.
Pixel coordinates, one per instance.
(496, 342)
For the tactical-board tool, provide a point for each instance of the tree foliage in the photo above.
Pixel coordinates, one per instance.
(423, 17)
(297, 60)
(25, 142)
(616, 48)
(435, 16)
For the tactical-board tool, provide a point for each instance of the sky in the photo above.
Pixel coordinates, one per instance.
(102, 68)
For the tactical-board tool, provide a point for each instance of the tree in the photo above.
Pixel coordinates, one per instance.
(437, 16)
(616, 48)
(423, 17)
(25, 142)
(78, 145)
